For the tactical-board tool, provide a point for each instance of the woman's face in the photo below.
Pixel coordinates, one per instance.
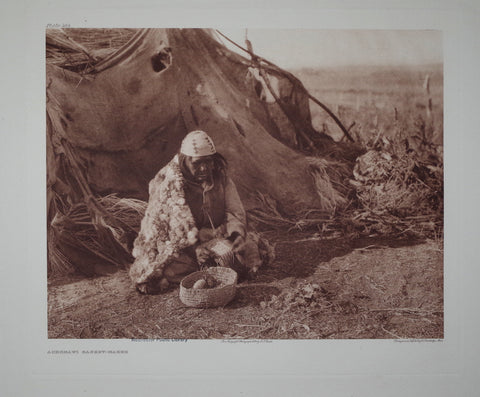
(201, 168)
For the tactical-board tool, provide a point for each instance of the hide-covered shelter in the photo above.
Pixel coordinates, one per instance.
(114, 118)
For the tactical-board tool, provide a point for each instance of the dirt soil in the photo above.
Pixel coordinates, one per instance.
(336, 289)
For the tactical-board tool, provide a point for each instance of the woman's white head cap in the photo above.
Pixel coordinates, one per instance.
(197, 144)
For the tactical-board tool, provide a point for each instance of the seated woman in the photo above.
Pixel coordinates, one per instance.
(192, 203)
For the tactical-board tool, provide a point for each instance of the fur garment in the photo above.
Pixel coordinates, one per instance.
(167, 227)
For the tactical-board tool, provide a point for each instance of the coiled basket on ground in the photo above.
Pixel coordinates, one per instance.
(216, 296)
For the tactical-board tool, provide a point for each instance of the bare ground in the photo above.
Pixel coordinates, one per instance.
(315, 289)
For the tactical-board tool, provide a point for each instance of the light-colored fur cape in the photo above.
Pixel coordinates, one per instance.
(167, 227)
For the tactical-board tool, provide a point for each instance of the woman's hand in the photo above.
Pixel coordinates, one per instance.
(202, 254)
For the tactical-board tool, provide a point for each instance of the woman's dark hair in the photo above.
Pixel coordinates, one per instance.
(220, 164)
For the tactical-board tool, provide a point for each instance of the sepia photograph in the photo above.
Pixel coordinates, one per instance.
(250, 184)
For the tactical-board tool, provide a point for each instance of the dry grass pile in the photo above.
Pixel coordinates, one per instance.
(80, 49)
(267, 216)
(328, 177)
(394, 189)
(109, 238)
(129, 211)
(399, 189)
(58, 263)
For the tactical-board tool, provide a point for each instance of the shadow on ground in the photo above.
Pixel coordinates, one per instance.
(298, 255)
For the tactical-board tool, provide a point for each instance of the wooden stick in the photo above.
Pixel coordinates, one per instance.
(284, 110)
(332, 115)
(295, 81)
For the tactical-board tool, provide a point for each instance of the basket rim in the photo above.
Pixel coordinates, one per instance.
(217, 296)
(208, 271)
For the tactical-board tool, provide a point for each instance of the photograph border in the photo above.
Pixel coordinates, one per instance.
(380, 367)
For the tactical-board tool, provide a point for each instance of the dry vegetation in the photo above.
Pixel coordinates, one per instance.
(79, 50)
(372, 270)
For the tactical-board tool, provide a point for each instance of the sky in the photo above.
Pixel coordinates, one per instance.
(296, 48)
